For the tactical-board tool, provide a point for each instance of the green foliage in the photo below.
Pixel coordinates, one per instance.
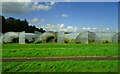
(69, 40)
(49, 38)
(33, 40)
(15, 40)
(61, 66)
(90, 41)
(39, 42)
(52, 50)
(106, 41)
(78, 42)
(49, 50)
(27, 41)
(17, 25)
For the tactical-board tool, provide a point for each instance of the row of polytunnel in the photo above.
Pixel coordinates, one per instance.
(79, 37)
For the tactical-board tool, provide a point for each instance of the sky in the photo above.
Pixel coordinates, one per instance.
(60, 0)
(65, 16)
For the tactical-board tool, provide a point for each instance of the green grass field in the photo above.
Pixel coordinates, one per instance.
(47, 50)
(61, 66)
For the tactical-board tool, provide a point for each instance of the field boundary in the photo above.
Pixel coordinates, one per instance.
(54, 57)
(76, 58)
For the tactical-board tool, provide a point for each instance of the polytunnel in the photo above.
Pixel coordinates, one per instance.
(116, 38)
(37, 34)
(29, 36)
(71, 35)
(104, 36)
(82, 37)
(60, 37)
(7, 37)
(42, 37)
(85, 37)
(1, 38)
(91, 37)
(22, 37)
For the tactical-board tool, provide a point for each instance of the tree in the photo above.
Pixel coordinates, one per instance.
(41, 30)
(17, 25)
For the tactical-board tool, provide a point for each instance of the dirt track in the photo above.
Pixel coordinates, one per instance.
(76, 58)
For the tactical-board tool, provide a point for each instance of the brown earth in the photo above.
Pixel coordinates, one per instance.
(76, 58)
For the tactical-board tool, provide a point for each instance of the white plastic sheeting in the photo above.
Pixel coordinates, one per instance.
(22, 37)
(115, 39)
(1, 38)
(42, 37)
(7, 37)
(29, 36)
(91, 36)
(82, 37)
(60, 37)
(98, 37)
(101, 36)
(71, 35)
(37, 34)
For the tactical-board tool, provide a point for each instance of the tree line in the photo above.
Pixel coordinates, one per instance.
(17, 25)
